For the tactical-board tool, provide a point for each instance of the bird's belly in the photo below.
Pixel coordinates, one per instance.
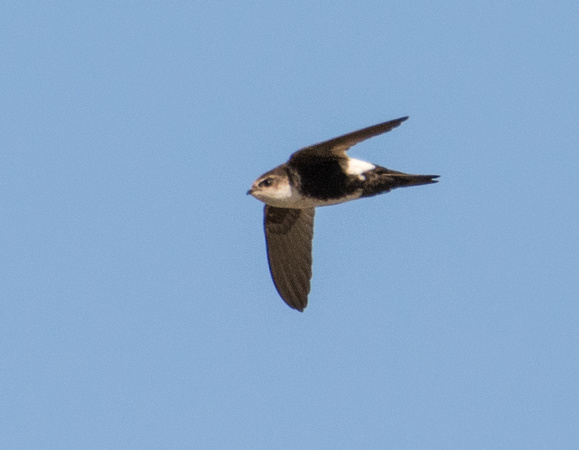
(298, 201)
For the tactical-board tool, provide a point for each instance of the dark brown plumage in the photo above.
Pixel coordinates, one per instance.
(289, 234)
(318, 175)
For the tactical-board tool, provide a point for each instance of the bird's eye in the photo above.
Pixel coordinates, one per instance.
(266, 183)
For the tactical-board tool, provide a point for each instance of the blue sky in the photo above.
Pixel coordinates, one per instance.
(136, 307)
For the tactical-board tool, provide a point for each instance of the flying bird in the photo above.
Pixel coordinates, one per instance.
(319, 175)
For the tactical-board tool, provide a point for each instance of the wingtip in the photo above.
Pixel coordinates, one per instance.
(398, 122)
(297, 307)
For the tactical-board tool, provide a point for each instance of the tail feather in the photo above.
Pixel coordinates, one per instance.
(381, 180)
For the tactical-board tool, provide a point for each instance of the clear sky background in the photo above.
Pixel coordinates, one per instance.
(136, 306)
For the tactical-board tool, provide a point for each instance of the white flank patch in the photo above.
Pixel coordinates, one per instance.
(358, 167)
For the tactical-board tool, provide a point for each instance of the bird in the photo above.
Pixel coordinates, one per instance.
(318, 175)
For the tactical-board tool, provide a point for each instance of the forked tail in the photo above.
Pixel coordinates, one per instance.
(381, 180)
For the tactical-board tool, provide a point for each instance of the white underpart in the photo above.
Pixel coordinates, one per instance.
(280, 195)
(288, 197)
(285, 196)
(358, 167)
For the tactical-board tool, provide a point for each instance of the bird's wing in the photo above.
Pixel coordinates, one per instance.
(338, 146)
(288, 235)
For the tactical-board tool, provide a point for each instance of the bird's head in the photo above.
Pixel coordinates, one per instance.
(272, 188)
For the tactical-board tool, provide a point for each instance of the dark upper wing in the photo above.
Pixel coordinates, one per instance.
(339, 145)
(288, 234)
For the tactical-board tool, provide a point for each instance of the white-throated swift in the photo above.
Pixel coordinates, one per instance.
(319, 175)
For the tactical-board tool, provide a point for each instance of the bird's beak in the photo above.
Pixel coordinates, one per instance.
(250, 192)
